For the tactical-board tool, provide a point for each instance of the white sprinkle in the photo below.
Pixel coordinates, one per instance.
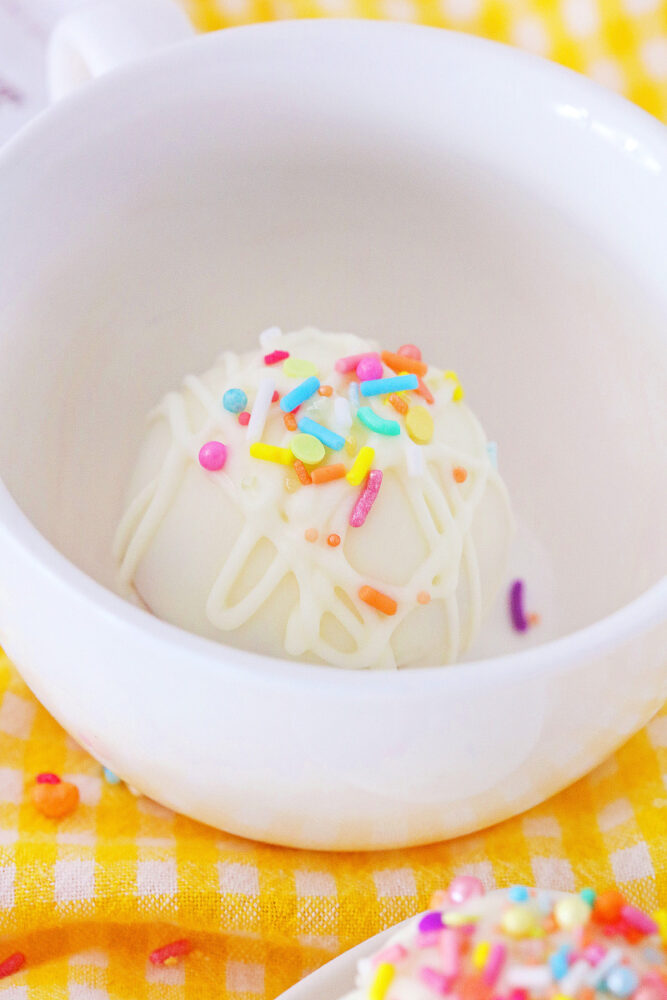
(545, 901)
(612, 958)
(342, 414)
(268, 336)
(574, 978)
(415, 458)
(353, 393)
(260, 409)
(529, 977)
(492, 452)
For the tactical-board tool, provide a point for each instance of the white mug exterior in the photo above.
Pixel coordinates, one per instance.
(310, 756)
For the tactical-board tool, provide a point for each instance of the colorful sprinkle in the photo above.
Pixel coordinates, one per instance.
(327, 473)
(325, 390)
(636, 918)
(234, 400)
(275, 357)
(176, 949)
(480, 954)
(311, 534)
(622, 981)
(608, 905)
(450, 951)
(271, 453)
(403, 362)
(518, 921)
(601, 970)
(588, 895)
(275, 397)
(300, 394)
(423, 597)
(307, 449)
(328, 438)
(298, 368)
(382, 980)
(431, 921)
(349, 364)
(305, 478)
(436, 981)
(110, 777)
(369, 368)
(378, 424)
(55, 801)
(460, 474)
(394, 954)
(398, 403)
(376, 599)
(244, 418)
(410, 351)
(12, 964)
(419, 424)
(212, 456)
(458, 393)
(494, 964)
(559, 962)
(384, 386)
(342, 413)
(47, 778)
(366, 499)
(424, 391)
(464, 887)
(518, 893)
(260, 410)
(290, 421)
(519, 620)
(361, 466)
(333, 540)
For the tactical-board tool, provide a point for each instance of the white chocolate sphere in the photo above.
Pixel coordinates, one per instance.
(226, 554)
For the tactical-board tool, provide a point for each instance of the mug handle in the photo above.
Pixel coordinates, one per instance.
(100, 36)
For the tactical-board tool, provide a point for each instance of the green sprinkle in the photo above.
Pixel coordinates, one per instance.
(298, 368)
(378, 424)
(588, 896)
(307, 448)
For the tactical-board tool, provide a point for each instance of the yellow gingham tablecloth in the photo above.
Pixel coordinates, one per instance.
(87, 898)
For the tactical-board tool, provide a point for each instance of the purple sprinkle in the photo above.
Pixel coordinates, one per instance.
(431, 921)
(435, 980)
(519, 620)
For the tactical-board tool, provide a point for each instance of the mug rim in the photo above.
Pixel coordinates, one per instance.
(646, 611)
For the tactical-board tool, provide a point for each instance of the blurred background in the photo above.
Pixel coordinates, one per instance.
(620, 43)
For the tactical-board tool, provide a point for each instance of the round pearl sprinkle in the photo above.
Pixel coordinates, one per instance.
(212, 456)
(369, 368)
(307, 449)
(423, 597)
(460, 474)
(464, 887)
(518, 921)
(311, 534)
(244, 418)
(333, 540)
(325, 390)
(56, 801)
(410, 351)
(47, 778)
(518, 894)
(622, 981)
(235, 400)
(571, 913)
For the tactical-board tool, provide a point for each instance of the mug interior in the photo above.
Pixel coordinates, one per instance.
(288, 184)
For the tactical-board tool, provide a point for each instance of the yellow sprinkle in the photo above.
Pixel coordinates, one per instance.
(362, 464)
(298, 368)
(480, 954)
(270, 453)
(571, 913)
(454, 919)
(382, 980)
(518, 921)
(419, 423)
(660, 917)
(351, 445)
(458, 393)
(561, 996)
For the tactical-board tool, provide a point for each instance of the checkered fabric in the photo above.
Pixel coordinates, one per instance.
(87, 898)
(620, 43)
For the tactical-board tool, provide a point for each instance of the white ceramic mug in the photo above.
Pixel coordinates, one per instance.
(405, 183)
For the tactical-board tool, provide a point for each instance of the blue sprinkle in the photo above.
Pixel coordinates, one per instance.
(323, 434)
(109, 776)
(303, 391)
(622, 981)
(235, 400)
(588, 896)
(381, 386)
(518, 894)
(492, 452)
(559, 962)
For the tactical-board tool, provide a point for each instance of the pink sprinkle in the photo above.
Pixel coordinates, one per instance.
(244, 418)
(12, 964)
(435, 980)
(450, 952)
(275, 397)
(594, 954)
(517, 994)
(517, 614)
(410, 351)
(366, 498)
(494, 964)
(464, 887)
(275, 356)
(47, 778)
(350, 363)
(428, 939)
(639, 920)
(368, 368)
(393, 955)
(175, 949)
(212, 455)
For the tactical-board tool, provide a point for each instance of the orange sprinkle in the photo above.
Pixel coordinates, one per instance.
(399, 404)
(56, 801)
(423, 390)
(310, 534)
(534, 618)
(381, 602)
(586, 993)
(424, 597)
(302, 472)
(325, 390)
(325, 473)
(460, 474)
(402, 363)
(290, 421)
(333, 540)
